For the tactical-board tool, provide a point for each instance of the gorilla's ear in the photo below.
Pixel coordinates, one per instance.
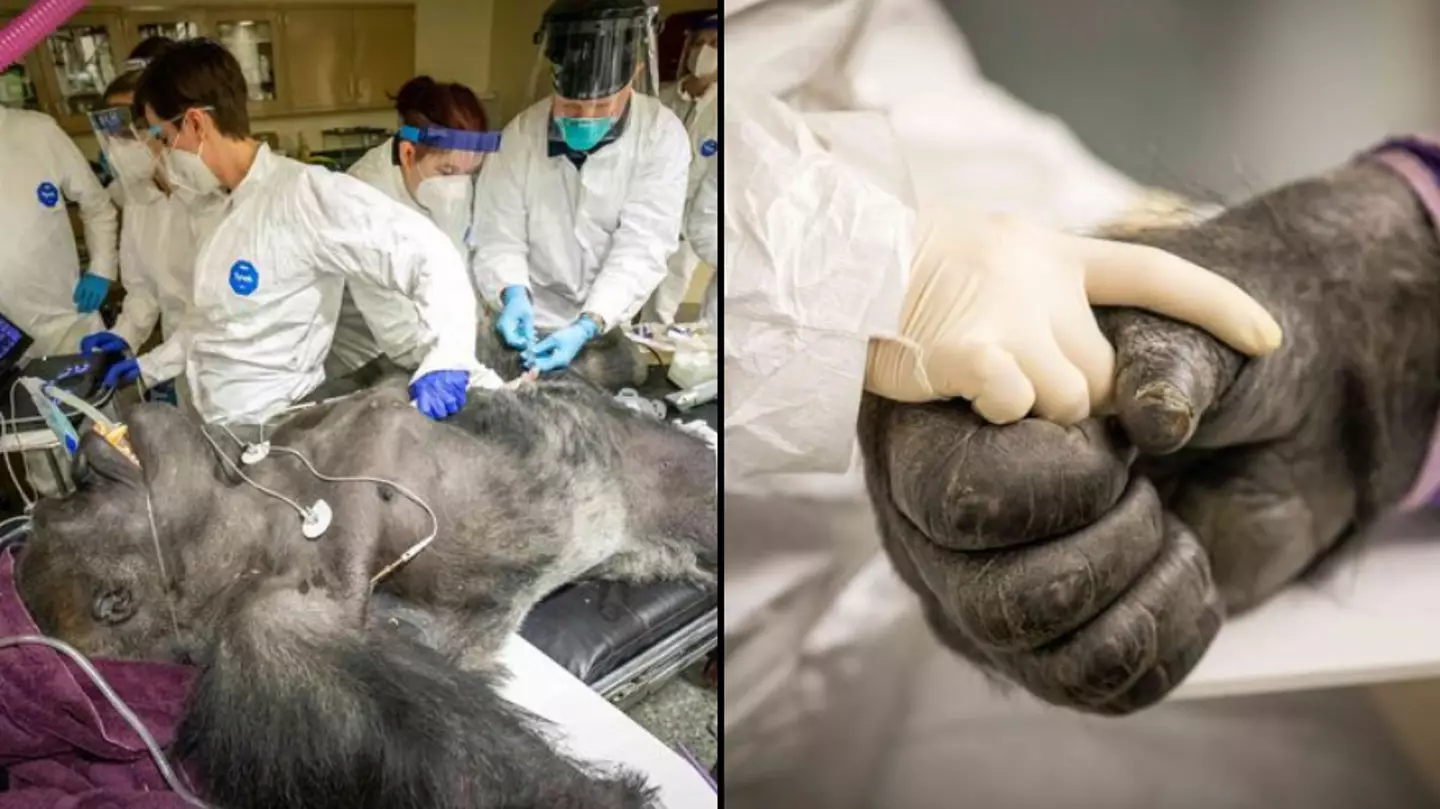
(112, 605)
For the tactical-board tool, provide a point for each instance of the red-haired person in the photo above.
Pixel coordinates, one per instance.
(430, 166)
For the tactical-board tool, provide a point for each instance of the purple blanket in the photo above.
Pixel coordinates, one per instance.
(65, 747)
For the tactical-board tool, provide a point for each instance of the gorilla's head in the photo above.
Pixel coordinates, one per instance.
(91, 574)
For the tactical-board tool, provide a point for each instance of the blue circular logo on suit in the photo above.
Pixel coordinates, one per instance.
(709, 148)
(244, 278)
(48, 194)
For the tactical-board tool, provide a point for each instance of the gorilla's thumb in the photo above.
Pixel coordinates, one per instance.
(1168, 374)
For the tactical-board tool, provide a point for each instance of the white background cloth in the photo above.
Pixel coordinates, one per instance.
(835, 693)
(593, 730)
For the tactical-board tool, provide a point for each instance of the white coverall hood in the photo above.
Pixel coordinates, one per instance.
(41, 171)
(582, 240)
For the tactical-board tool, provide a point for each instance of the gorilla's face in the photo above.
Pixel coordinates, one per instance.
(91, 574)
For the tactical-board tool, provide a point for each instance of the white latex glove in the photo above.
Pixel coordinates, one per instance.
(998, 312)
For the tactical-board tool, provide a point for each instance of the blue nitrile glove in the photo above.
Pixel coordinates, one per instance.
(90, 293)
(559, 349)
(103, 342)
(517, 320)
(122, 373)
(439, 394)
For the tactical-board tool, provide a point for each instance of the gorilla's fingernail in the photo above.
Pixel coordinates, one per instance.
(1163, 417)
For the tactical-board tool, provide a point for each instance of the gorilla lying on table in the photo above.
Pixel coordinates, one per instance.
(307, 696)
(1093, 565)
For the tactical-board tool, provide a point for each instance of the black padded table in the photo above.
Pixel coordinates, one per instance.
(615, 636)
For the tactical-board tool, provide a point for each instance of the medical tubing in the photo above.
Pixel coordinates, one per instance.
(32, 26)
(299, 509)
(412, 551)
(121, 708)
(5, 433)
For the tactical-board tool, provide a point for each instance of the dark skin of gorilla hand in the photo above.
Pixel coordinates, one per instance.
(1094, 564)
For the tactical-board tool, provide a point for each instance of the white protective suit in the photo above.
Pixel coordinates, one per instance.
(702, 229)
(590, 240)
(157, 263)
(373, 320)
(836, 695)
(40, 171)
(268, 284)
(701, 117)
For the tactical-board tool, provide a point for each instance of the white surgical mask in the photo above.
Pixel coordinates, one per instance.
(131, 161)
(450, 202)
(192, 179)
(707, 60)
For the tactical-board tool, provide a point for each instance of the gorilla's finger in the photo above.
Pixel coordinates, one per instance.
(1264, 514)
(968, 485)
(1026, 597)
(1138, 649)
(1168, 375)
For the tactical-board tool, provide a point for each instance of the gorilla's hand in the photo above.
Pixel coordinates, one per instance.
(1093, 564)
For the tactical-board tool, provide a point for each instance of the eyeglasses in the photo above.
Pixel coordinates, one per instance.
(157, 131)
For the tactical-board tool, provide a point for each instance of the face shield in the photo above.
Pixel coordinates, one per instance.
(592, 55)
(127, 146)
(701, 54)
(442, 179)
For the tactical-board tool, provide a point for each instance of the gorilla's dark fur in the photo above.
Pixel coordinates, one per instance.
(307, 698)
(1093, 565)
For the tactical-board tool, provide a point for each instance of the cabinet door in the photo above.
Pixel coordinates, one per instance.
(78, 62)
(172, 24)
(20, 85)
(253, 36)
(320, 67)
(384, 53)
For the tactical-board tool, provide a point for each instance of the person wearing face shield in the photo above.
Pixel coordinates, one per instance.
(694, 97)
(430, 166)
(42, 289)
(577, 213)
(158, 236)
(269, 278)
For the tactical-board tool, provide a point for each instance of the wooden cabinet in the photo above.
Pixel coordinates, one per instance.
(255, 38)
(348, 58)
(321, 70)
(77, 63)
(20, 85)
(301, 59)
(384, 53)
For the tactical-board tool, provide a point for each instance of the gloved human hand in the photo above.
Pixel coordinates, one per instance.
(122, 373)
(104, 342)
(998, 312)
(440, 394)
(90, 292)
(558, 349)
(516, 323)
(1093, 564)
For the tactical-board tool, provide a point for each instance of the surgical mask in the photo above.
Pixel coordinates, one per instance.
(131, 162)
(582, 134)
(707, 61)
(192, 179)
(450, 202)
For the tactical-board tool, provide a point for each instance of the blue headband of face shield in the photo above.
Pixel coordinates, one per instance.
(441, 138)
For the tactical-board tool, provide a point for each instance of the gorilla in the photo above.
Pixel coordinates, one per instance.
(1093, 565)
(308, 694)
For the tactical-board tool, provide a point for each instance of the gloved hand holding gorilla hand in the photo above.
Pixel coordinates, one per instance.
(1094, 564)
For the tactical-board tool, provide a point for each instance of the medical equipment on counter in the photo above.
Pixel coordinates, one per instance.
(691, 398)
(630, 399)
